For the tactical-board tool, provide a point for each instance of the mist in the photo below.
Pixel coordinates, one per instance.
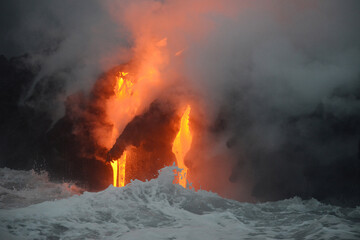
(284, 80)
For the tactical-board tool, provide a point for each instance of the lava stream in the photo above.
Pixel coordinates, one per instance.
(182, 145)
(118, 167)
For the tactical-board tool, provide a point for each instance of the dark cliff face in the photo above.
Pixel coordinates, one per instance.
(22, 128)
(67, 148)
(148, 139)
(71, 155)
(30, 140)
(155, 128)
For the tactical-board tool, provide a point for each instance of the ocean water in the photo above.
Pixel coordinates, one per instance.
(32, 207)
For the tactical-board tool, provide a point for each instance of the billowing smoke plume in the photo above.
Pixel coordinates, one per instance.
(70, 43)
(285, 80)
(276, 84)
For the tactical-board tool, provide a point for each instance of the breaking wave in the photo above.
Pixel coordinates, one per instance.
(34, 208)
(24, 188)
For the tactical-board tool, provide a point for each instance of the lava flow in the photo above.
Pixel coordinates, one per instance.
(182, 145)
(147, 154)
(123, 86)
(118, 167)
(149, 131)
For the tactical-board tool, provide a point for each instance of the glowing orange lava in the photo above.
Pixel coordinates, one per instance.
(123, 87)
(182, 145)
(118, 167)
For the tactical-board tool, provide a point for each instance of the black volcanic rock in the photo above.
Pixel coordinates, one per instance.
(22, 128)
(149, 138)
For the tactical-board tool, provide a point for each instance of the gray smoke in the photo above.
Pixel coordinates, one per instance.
(70, 43)
(285, 80)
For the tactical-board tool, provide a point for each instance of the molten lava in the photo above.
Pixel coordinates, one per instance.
(131, 92)
(123, 87)
(182, 145)
(118, 167)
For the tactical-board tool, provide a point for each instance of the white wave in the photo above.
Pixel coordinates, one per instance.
(23, 188)
(158, 209)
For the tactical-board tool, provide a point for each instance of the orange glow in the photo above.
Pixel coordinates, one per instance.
(162, 42)
(118, 167)
(123, 86)
(134, 87)
(182, 145)
(178, 53)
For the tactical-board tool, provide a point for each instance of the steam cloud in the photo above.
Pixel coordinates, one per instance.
(279, 81)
